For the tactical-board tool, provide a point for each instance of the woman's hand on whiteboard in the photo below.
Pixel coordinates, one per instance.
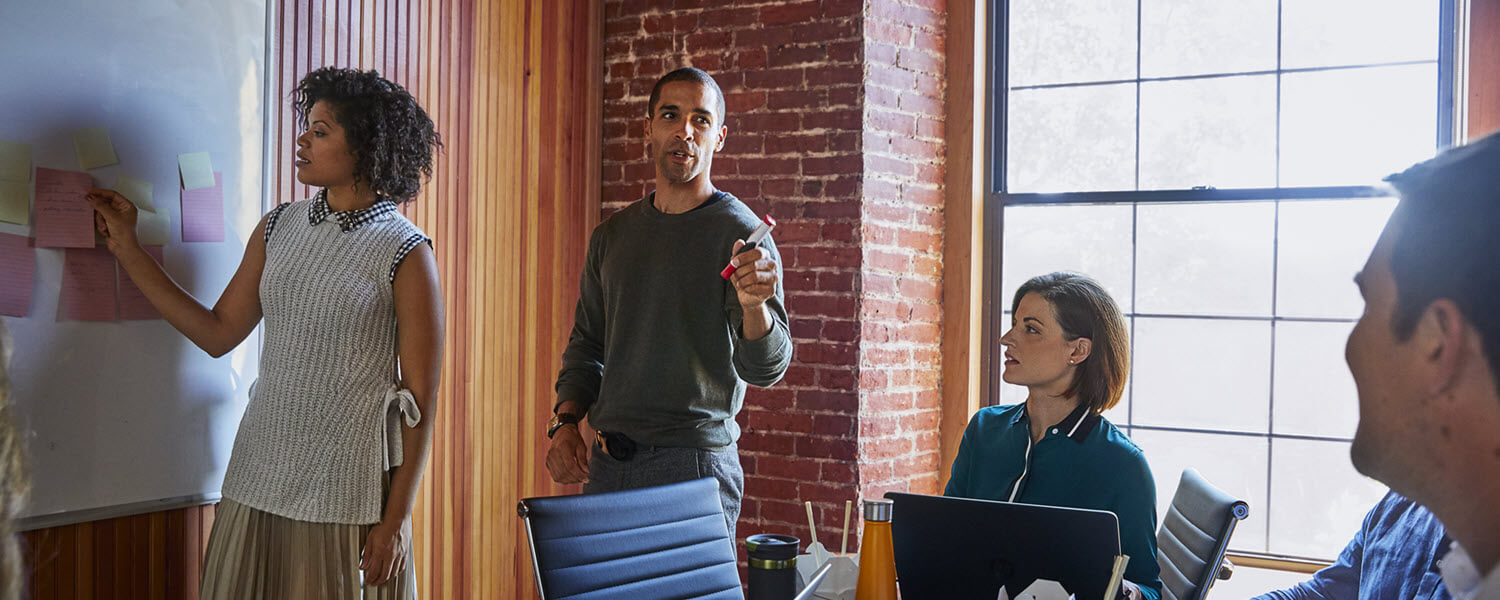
(114, 217)
(385, 552)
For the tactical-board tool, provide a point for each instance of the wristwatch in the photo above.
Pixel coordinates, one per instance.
(560, 419)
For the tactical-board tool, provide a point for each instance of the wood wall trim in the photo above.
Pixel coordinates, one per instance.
(1484, 68)
(963, 240)
(161, 506)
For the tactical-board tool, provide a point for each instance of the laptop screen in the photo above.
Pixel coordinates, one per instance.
(960, 548)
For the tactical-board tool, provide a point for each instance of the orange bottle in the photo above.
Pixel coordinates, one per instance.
(877, 560)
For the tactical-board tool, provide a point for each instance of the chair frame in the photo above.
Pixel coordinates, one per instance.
(1238, 511)
(536, 567)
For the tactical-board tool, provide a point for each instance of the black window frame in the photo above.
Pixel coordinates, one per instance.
(997, 199)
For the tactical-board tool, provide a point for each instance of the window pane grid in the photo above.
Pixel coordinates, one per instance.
(1037, 62)
(1245, 434)
(1076, 84)
(1114, 140)
(1193, 195)
(1263, 432)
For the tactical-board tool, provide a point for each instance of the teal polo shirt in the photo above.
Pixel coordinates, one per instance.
(1083, 461)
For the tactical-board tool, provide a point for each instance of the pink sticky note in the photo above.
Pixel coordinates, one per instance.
(203, 213)
(63, 219)
(17, 274)
(88, 285)
(133, 304)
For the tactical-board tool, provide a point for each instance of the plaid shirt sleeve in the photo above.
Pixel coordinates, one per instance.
(271, 220)
(405, 249)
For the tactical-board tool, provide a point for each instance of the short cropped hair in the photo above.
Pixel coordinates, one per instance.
(392, 137)
(1447, 240)
(688, 74)
(1084, 310)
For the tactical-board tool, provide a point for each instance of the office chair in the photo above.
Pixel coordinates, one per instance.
(1194, 536)
(666, 541)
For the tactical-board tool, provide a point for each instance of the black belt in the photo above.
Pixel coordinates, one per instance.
(618, 445)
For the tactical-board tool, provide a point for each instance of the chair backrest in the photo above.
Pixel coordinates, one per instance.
(1194, 535)
(666, 541)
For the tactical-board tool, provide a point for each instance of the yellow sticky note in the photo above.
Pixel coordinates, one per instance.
(197, 170)
(15, 161)
(94, 148)
(15, 201)
(138, 191)
(153, 228)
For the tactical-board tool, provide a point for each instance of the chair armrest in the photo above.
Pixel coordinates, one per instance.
(1226, 569)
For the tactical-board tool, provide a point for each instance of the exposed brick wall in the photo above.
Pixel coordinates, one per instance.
(835, 114)
(902, 231)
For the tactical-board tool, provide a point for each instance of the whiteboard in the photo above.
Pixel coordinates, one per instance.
(129, 416)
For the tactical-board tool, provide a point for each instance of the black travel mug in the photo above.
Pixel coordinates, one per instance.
(773, 566)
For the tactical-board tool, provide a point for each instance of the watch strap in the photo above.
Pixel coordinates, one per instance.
(560, 419)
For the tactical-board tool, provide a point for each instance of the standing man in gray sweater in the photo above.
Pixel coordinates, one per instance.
(663, 346)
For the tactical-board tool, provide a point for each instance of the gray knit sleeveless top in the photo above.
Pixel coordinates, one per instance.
(323, 420)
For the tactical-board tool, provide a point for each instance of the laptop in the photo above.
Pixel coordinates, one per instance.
(960, 548)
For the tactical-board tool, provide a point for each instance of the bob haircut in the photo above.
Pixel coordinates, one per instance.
(1084, 310)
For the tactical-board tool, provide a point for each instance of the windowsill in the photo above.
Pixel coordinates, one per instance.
(1256, 575)
(1275, 563)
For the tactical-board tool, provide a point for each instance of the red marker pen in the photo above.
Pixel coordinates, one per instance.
(751, 242)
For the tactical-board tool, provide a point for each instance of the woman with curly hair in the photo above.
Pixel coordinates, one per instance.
(319, 490)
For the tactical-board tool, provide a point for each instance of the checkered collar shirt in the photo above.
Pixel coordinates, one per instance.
(348, 220)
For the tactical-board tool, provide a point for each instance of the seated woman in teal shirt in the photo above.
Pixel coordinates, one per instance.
(1068, 345)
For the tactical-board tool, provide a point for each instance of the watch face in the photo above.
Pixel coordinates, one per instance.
(558, 421)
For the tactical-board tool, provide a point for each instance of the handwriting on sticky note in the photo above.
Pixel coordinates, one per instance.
(138, 191)
(15, 161)
(203, 213)
(133, 303)
(197, 170)
(15, 202)
(17, 274)
(88, 285)
(94, 148)
(63, 219)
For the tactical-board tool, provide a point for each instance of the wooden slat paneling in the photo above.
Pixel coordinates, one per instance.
(143, 556)
(515, 87)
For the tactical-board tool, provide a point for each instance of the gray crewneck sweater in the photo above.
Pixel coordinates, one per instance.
(657, 352)
(317, 434)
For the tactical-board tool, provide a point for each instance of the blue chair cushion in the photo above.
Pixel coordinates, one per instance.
(660, 542)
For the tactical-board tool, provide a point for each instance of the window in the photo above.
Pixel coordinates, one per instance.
(1216, 165)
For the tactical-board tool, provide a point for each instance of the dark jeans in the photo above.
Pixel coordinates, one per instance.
(660, 466)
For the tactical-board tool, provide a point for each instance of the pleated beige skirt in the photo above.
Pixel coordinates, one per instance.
(255, 554)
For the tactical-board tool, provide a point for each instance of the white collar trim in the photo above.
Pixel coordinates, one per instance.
(1460, 575)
